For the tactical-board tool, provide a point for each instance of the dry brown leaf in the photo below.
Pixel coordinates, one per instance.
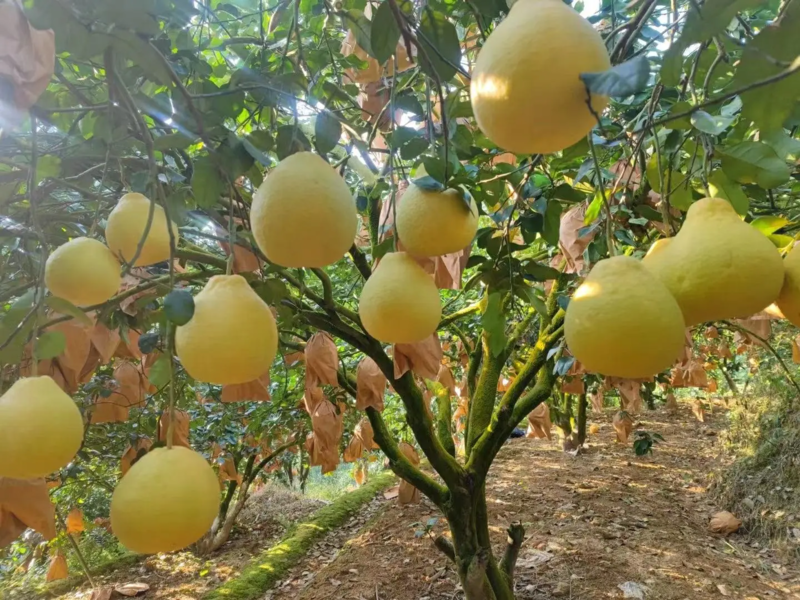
(539, 423)
(699, 410)
(58, 568)
(573, 385)
(370, 385)
(27, 56)
(623, 425)
(181, 429)
(293, 358)
(103, 593)
(724, 522)
(132, 589)
(75, 521)
(712, 386)
(133, 453)
(130, 390)
(594, 429)
(423, 358)
(252, 391)
(322, 361)
(129, 345)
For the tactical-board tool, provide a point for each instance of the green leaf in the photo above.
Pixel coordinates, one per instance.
(755, 162)
(382, 249)
(784, 145)
(491, 9)
(769, 106)
(494, 323)
(15, 314)
(65, 307)
(442, 49)
(770, 224)
(552, 222)
(538, 304)
(159, 374)
(179, 307)
(290, 140)
(540, 272)
(361, 27)
(173, 140)
(47, 166)
(594, 209)
(327, 131)
(621, 80)
(720, 186)
(681, 195)
(711, 124)
(207, 184)
(234, 158)
(683, 122)
(429, 184)
(384, 33)
(782, 242)
(672, 65)
(50, 344)
(140, 53)
(712, 18)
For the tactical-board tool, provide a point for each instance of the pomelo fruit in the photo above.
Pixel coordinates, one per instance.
(304, 215)
(623, 322)
(788, 301)
(718, 266)
(526, 90)
(231, 338)
(83, 271)
(400, 303)
(126, 225)
(41, 429)
(167, 501)
(431, 223)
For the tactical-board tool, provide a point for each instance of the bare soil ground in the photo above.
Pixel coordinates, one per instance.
(594, 522)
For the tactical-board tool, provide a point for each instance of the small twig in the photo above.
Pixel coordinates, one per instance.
(609, 219)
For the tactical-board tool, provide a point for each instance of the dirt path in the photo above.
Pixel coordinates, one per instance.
(594, 522)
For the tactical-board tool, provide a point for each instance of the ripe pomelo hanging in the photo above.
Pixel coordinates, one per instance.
(431, 223)
(83, 271)
(304, 215)
(789, 299)
(400, 302)
(718, 266)
(126, 225)
(167, 501)
(623, 322)
(231, 338)
(526, 90)
(41, 429)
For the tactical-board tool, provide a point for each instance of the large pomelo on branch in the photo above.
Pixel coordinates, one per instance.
(526, 90)
(231, 338)
(126, 227)
(433, 223)
(789, 299)
(718, 266)
(41, 429)
(304, 215)
(167, 501)
(623, 322)
(83, 271)
(400, 302)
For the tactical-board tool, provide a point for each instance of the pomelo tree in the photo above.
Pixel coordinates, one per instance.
(194, 103)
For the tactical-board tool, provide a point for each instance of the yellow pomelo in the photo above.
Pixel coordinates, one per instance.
(718, 266)
(400, 302)
(788, 301)
(232, 337)
(83, 271)
(304, 215)
(527, 95)
(434, 223)
(623, 322)
(41, 429)
(126, 225)
(167, 501)
(657, 247)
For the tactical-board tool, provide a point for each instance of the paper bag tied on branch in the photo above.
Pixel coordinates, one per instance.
(322, 361)
(181, 429)
(422, 358)
(133, 453)
(25, 503)
(408, 494)
(539, 424)
(370, 384)
(252, 391)
(623, 425)
(27, 56)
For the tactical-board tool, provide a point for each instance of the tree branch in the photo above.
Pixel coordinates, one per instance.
(516, 534)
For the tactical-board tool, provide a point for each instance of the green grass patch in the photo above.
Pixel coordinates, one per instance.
(272, 564)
